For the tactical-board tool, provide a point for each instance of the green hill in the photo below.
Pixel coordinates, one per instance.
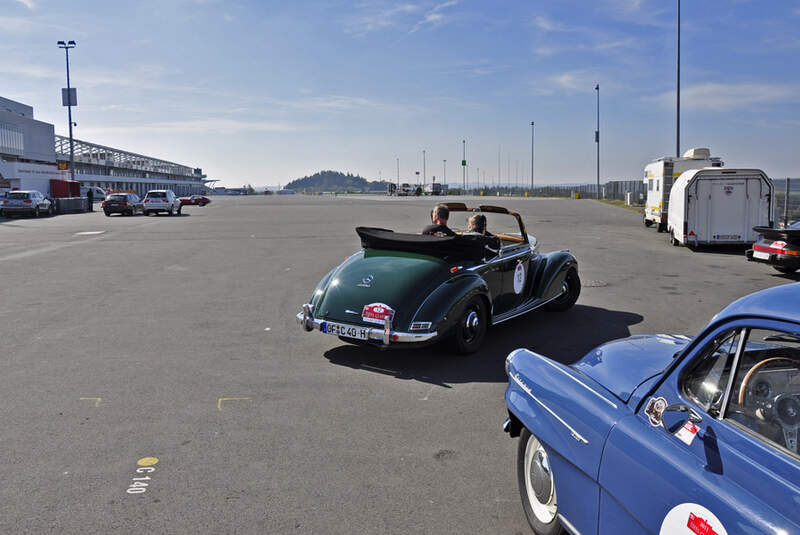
(334, 181)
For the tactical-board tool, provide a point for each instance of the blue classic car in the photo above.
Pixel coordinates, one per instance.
(665, 434)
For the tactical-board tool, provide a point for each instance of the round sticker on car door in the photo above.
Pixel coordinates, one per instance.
(519, 278)
(691, 519)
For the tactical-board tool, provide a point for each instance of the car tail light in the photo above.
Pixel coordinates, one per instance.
(125, 203)
(28, 201)
(103, 203)
(5, 202)
(777, 247)
(147, 200)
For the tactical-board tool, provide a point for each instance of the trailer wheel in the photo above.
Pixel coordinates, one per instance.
(647, 222)
(672, 239)
(662, 227)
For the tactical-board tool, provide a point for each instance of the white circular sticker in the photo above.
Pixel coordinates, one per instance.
(519, 278)
(691, 519)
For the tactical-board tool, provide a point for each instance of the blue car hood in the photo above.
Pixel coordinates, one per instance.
(622, 365)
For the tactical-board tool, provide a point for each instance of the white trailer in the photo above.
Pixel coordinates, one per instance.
(660, 174)
(720, 206)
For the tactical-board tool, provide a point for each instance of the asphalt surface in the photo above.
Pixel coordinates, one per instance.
(175, 338)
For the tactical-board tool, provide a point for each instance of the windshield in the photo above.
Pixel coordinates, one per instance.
(118, 197)
(157, 194)
(17, 195)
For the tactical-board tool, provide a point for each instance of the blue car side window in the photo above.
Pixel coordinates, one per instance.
(765, 395)
(705, 382)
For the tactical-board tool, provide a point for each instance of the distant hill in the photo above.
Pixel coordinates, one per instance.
(334, 181)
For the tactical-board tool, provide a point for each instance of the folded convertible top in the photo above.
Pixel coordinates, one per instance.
(467, 247)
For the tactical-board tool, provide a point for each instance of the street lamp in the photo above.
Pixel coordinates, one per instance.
(69, 99)
(424, 179)
(531, 158)
(444, 172)
(597, 138)
(678, 91)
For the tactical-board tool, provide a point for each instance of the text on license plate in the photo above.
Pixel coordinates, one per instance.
(761, 255)
(349, 331)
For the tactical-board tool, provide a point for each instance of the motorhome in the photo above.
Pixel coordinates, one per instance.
(720, 206)
(660, 175)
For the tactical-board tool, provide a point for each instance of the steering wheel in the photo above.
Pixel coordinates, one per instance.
(753, 370)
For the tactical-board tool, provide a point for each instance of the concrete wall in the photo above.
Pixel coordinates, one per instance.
(39, 136)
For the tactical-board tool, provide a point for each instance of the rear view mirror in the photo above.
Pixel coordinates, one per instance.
(675, 417)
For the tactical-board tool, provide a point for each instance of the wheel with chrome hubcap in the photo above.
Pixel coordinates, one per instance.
(537, 487)
(470, 329)
(570, 290)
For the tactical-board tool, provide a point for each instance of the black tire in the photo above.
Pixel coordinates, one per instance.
(533, 486)
(108, 214)
(470, 329)
(647, 222)
(572, 285)
(36, 212)
(51, 210)
(179, 209)
(662, 227)
(171, 211)
(672, 239)
(784, 270)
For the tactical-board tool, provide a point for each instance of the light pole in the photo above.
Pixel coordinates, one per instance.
(444, 171)
(597, 138)
(424, 175)
(464, 165)
(678, 92)
(398, 174)
(68, 100)
(531, 158)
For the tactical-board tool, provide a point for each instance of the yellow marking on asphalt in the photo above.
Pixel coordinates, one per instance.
(220, 400)
(96, 400)
(147, 461)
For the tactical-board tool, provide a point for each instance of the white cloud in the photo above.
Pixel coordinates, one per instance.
(379, 17)
(547, 25)
(600, 45)
(200, 126)
(434, 17)
(726, 97)
(567, 83)
(27, 3)
(227, 17)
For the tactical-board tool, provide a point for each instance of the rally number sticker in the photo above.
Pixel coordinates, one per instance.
(519, 278)
(691, 519)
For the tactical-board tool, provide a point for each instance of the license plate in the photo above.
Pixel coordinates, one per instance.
(761, 255)
(349, 331)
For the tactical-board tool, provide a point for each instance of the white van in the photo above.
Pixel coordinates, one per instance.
(720, 206)
(98, 194)
(660, 174)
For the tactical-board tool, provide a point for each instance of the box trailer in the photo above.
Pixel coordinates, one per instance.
(660, 174)
(719, 206)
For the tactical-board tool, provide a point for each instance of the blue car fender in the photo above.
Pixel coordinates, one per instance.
(572, 416)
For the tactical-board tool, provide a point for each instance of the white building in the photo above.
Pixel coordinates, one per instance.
(31, 155)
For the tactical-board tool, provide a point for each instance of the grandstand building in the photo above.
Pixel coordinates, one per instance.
(31, 155)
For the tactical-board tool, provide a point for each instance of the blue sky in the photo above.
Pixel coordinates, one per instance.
(264, 92)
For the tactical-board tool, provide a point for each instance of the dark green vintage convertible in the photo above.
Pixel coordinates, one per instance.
(406, 290)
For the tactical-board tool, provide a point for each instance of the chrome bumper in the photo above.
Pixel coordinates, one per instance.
(386, 335)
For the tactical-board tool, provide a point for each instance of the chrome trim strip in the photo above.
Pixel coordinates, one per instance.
(532, 305)
(565, 372)
(577, 436)
(566, 523)
(375, 334)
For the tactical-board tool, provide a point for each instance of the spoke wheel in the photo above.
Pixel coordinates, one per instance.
(537, 486)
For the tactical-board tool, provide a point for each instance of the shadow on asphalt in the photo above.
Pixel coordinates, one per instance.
(562, 336)
(730, 250)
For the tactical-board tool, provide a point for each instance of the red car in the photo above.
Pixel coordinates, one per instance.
(198, 200)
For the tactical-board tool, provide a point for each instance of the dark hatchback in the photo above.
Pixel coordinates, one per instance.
(778, 247)
(123, 203)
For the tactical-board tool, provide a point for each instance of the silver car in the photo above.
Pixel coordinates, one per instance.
(29, 202)
(161, 200)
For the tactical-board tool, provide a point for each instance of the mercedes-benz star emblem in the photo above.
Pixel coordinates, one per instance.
(367, 279)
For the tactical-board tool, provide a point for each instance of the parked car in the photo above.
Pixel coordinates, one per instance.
(198, 200)
(123, 203)
(779, 248)
(30, 202)
(411, 289)
(666, 434)
(161, 200)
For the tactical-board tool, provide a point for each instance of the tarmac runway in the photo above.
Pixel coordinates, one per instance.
(166, 348)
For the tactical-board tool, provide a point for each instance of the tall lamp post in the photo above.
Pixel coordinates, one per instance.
(444, 172)
(464, 165)
(597, 138)
(398, 174)
(531, 158)
(678, 92)
(424, 172)
(69, 99)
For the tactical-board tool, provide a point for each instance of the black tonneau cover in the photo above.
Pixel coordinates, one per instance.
(467, 247)
(789, 235)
